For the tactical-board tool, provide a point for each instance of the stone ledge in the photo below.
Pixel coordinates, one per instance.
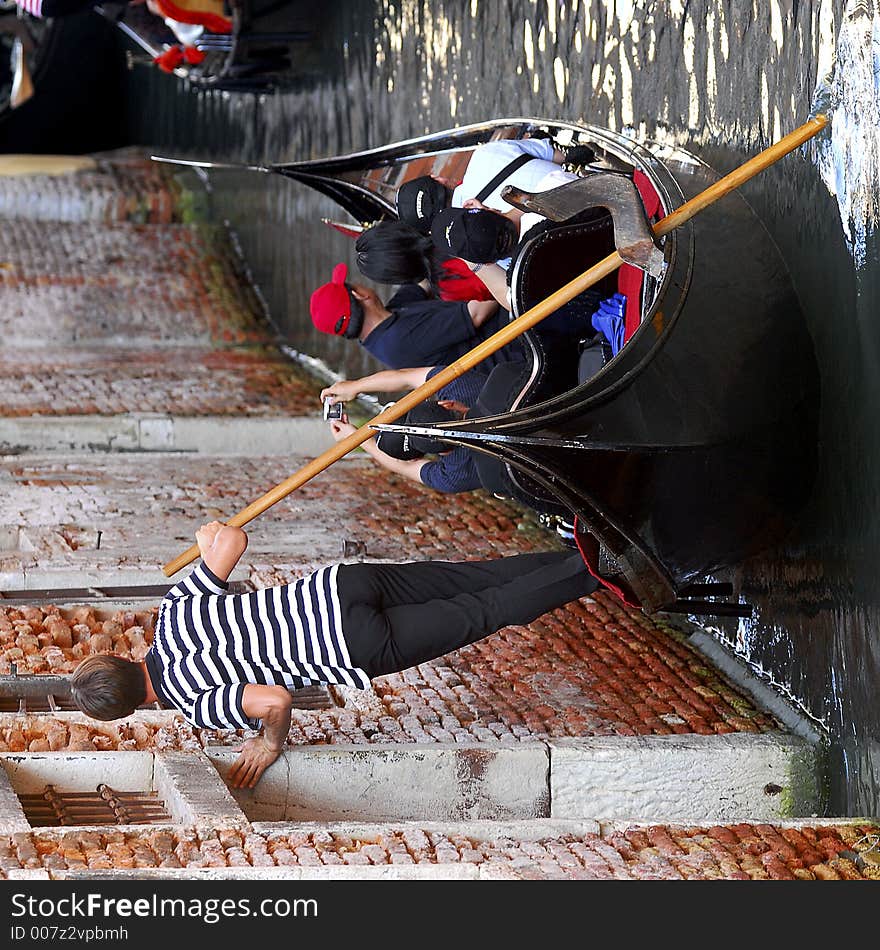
(12, 816)
(353, 782)
(208, 435)
(685, 778)
(193, 792)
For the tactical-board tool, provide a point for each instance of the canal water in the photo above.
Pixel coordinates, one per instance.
(723, 78)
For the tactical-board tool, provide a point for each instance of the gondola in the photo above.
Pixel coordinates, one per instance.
(695, 446)
(269, 42)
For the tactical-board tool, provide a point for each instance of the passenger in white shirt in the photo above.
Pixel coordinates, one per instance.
(460, 234)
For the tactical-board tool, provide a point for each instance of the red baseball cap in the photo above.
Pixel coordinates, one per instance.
(330, 305)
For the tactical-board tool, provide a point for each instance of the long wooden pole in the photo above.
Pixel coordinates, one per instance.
(512, 330)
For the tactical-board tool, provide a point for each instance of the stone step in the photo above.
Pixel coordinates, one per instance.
(760, 777)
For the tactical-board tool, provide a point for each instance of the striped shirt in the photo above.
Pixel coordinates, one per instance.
(209, 644)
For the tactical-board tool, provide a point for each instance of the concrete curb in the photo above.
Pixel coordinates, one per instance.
(737, 671)
(726, 778)
(146, 432)
(737, 777)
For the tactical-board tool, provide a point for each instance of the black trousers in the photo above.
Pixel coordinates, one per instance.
(398, 615)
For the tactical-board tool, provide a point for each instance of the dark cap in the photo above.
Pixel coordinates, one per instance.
(402, 445)
(419, 200)
(474, 234)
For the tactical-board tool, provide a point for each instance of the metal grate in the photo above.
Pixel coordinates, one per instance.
(312, 697)
(48, 692)
(105, 806)
(36, 704)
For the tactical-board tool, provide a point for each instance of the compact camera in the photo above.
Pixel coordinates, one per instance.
(332, 410)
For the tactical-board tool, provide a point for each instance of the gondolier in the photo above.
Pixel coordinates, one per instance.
(228, 661)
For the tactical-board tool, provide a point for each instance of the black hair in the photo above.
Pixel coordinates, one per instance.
(392, 252)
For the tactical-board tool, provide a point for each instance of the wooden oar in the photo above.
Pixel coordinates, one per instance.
(512, 330)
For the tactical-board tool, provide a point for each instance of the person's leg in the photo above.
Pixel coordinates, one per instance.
(415, 633)
(391, 585)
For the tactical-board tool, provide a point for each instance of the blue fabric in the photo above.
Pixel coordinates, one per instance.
(454, 471)
(610, 321)
(465, 389)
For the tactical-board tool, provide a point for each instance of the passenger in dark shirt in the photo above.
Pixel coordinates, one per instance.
(427, 460)
(412, 329)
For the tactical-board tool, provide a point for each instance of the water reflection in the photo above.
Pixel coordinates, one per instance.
(850, 156)
(724, 79)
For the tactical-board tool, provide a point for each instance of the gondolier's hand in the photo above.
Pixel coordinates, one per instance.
(221, 546)
(256, 756)
(343, 391)
(271, 705)
(207, 535)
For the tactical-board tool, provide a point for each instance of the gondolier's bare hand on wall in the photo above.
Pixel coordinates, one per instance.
(272, 704)
(221, 547)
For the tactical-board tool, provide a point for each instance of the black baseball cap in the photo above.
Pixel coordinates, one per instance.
(402, 445)
(419, 200)
(474, 234)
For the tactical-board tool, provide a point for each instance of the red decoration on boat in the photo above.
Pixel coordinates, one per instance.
(193, 55)
(588, 546)
(170, 59)
(349, 230)
(206, 13)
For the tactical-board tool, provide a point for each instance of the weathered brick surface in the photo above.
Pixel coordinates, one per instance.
(124, 283)
(51, 640)
(741, 852)
(46, 733)
(123, 186)
(148, 506)
(145, 313)
(196, 381)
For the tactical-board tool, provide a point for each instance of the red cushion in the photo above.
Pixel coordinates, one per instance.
(629, 278)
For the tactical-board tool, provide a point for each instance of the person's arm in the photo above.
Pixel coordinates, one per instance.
(272, 704)
(494, 278)
(221, 547)
(483, 310)
(409, 468)
(385, 381)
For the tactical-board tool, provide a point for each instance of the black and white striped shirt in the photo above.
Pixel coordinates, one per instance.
(209, 644)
